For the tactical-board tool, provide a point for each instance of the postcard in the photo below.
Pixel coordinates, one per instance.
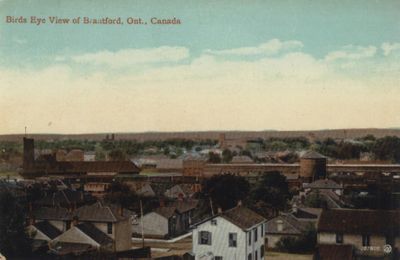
(249, 130)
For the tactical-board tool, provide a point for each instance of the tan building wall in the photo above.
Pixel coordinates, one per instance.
(353, 239)
(123, 235)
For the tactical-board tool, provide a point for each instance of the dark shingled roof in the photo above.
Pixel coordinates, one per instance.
(334, 252)
(48, 229)
(92, 213)
(355, 221)
(93, 232)
(312, 155)
(100, 213)
(51, 214)
(64, 198)
(184, 206)
(50, 165)
(242, 217)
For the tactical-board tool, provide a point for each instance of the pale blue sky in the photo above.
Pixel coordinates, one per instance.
(230, 65)
(322, 26)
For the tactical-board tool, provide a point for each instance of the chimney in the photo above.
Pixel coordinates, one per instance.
(279, 225)
(29, 153)
(75, 221)
(121, 211)
(219, 210)
(162, 202)
(239, 203)
(32, 221)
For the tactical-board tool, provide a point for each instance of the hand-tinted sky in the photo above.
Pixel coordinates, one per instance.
(251, 65)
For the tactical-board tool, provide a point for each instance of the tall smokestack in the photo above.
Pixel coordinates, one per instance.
(29, 153)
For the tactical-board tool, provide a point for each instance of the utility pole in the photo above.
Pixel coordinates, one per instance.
(141, 222)
(211, 205)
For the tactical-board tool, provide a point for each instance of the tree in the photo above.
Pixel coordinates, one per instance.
(121, 194)
(305, 243)
(226, 190)
(226, 156)
(214, 158)
(117, 155)
(273, 190)
(14, 240)
(387, 148)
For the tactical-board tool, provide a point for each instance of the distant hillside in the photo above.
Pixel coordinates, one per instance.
(317, 134)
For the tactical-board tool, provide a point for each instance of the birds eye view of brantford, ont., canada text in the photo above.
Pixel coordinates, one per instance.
(200, 129)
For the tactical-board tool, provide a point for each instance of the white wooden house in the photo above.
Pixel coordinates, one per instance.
(237, 233)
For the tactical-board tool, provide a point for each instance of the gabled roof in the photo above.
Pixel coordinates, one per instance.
(166, 212)
(100, 213)
(242, 217)
(184, 206)
(146, 190)
(94, 233)
(312, 155)
(64, 197)
(48, 229)
(360, 221)
(56, 213)
(288, 228)
(96, 212)
(292, 225)
(175, 192)
(305, 214)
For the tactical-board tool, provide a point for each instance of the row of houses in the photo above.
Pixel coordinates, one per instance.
(97, 226)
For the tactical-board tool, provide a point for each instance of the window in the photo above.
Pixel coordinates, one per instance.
(262, 230)
(262, 250)
(214, 222)
(218, 258)
(256, 255)
(339, 238)
(232, 239)
(109, 228)
(204, 238)
(365, 240)
(249, 257)
(249, 238)
(255, 235)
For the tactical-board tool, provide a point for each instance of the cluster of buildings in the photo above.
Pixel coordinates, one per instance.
(76, 220)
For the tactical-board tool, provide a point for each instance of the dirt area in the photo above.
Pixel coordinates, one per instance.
(178, 248)
(185, 245)
(285, 256)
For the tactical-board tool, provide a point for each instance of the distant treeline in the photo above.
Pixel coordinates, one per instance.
(385, 148)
